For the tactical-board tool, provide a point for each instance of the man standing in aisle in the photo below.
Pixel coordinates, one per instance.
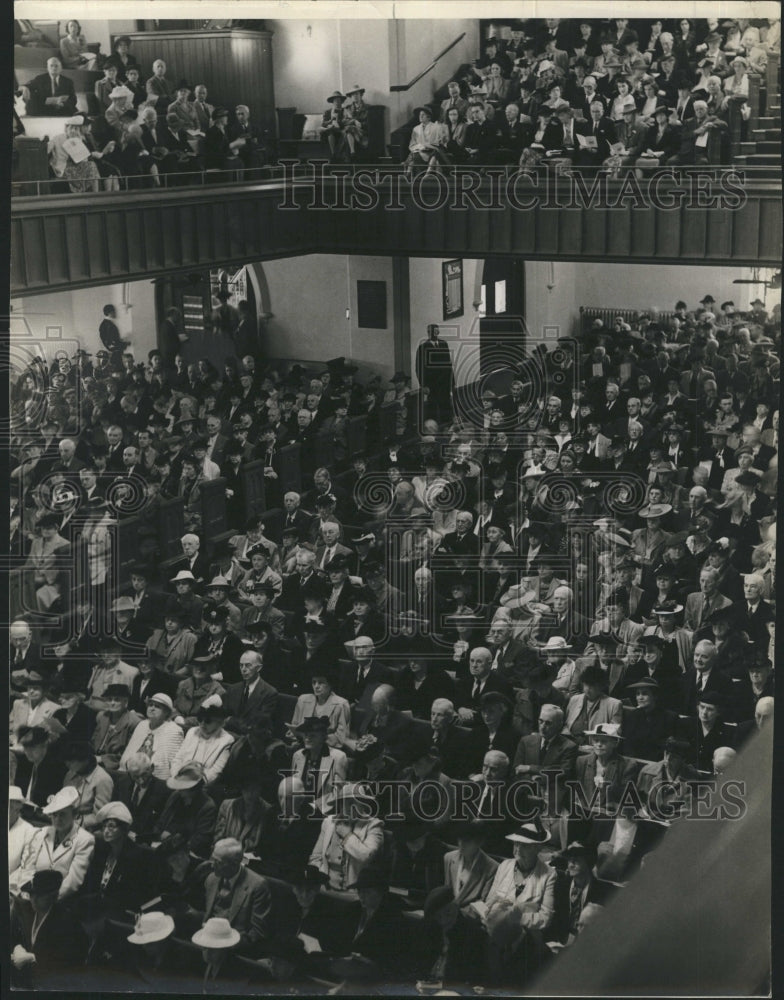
(435, 374)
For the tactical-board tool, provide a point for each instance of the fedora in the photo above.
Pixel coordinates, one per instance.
(66, 798)
(529, 833)
(335, 96)
(612, 730)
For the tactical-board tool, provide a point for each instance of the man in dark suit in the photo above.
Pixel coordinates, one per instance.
(599, 133)
(240, 896)
(48, 944)
(250, 704)
(495, 731)
(461, 541)
(143, 794)
(753, 613)
(448, 740)
(703, 678)
(548, 751)
(469, 691)
(51, 93)
(511, 658)
(359, 679)
(390, 726)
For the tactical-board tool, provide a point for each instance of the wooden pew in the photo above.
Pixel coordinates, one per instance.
(253, 483)
(290, 468)
(171, 527)
(213, 513)
(356, 435)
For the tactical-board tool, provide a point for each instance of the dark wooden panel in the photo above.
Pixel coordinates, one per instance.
(19, 274)
(770, 231)
(720, 233)
(290, 474)
(57, 250)
(668, 234)
(641, 231)
(594, 233)
(35, 252)
(78, 251)
(171, 527)
(694, 237)
(253, 482)
(746, 228)
(117, 242)
(570, 229)
(213, 507)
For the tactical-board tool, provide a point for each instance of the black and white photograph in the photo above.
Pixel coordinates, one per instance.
(392, 438)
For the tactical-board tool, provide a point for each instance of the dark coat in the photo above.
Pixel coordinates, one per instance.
(48, 776)
(147, 813)
(125, 890)
(258, 711)
(644, 732)
(40, 88)
(60, 947)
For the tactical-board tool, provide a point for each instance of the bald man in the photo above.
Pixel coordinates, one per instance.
(236, 893)
(563, 621)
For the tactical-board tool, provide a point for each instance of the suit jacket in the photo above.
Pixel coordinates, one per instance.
(48, 778)
(453, 544)
(560, 758)
(159, 683)
(618, 774)
(60, 947)
(394, 733)
(331, 772)
(455, 750)
(250, 908)
(40, 88)
(505, 740)
(125, 890)
(477, 884)
(355, 693)
(717, 682)
(71, 858)
(607, 710)
(644, 732)
(256, 713)
(515, 662)
(362, 848)
(694, 611)
(464, 692)
(605, 135)
(148, 811)
(536, 901)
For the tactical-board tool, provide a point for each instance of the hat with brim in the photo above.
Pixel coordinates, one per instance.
(529, 833)
(217, 932)
(116, 811)
(715, 698)
(668, 608)
(610, 730)
(151, 927)
(15, 794)
(46, 882)
(35, 679)
(646, 684)
(495, 698)
(161, 699)
(188, 776)
(32, 736)
(354, 89)
(651, 638)
(655, 510)
(556, 644)
(66, 798)
(220, 113)
(335, 96)
(218, 582)
(120, 604)
(312, 724)
(211, 708)
(576, 851)
(718, 432)
(184, 576)
(120, 92)
(417, 111)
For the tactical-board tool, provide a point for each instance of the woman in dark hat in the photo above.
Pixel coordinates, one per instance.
(248, 818)
(320, 768)
(649, 724)
(121, 57)
(113, 726)
(423, 679)
(40, 768)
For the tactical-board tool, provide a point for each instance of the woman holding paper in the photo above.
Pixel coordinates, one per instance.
(70, 159)
(73, 48)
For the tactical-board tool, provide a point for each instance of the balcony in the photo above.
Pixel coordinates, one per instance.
(699, 215)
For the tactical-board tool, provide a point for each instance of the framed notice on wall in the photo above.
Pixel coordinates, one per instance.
(452, 283)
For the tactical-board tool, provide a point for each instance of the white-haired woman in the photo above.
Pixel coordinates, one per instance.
(70, 158)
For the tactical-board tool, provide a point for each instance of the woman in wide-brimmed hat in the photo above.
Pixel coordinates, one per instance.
(338, 128)
(320, 767)
(323, 702)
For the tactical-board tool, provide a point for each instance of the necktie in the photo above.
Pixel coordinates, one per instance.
(475, 692)
(136, 794)
(244, 698)
(360, 677)
(54, 86)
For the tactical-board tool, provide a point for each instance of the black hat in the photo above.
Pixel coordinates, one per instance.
(711, 698)
(116, 691)
(603, 639)
(32, 736)
(314, 628)
(215, 615)
(183, 85)
(436, 900)
(593, 674)
(78, 750)
(325, 500)
(261, 587)
(312, 724)
(45, 882)
(220, 112)
(215, 709)
(337, 562)
(680, 747)
(260, 625)
(495, 698)
(364, 594)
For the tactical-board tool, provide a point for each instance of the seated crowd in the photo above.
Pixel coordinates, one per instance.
(596, 94)
(222, 764)
(140, 129)
(590, 93)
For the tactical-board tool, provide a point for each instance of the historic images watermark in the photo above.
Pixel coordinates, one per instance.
(499, 189)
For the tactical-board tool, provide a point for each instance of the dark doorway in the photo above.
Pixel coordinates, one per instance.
(502, 332)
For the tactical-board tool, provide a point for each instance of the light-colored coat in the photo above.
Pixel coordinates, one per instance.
(331, 773)
(71, 857)
(363, 845)
(536, 901)
(608, 710)
(480, 877)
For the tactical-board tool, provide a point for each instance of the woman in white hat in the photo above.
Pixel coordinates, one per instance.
(70, 158)
(64, 846)
(113, 884)
(206, 743)
(157, 736)
(525, 880)
(336, 128)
